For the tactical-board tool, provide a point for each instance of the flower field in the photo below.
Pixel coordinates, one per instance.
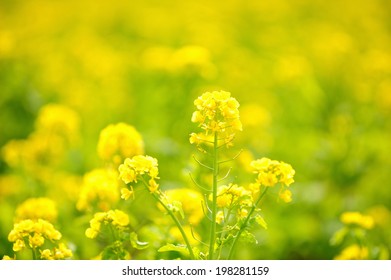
(195, 129)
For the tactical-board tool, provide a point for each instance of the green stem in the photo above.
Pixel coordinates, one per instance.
(178, 224)
(214, 197)
(175, 219)
(244, 225)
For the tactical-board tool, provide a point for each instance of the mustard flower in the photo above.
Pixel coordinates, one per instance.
(33, 234)
(60, 120)
(217, 112)
(37, 208)
(357, 219)
(135, 168)
(117, 218)
(270, 172)
(101, 188)
(353, 252)
(119, 141)
(233, 195)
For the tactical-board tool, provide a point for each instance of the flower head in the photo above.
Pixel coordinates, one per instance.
(137, 168)
(37, 208)
(117, 218)
(357, 219)
(119, 141)
(217, 112)
(100, 188)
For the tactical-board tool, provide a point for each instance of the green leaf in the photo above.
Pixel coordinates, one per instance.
(136, 243)
(260, 221)
(176, 248)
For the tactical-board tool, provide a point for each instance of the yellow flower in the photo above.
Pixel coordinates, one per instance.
(286, 196)
(58, 119)
(35, 231)
(353, 252)
(356, 218)
(271, 172)
(232, 195)
(135, 168)
(217, 112)
(119, 141)
(99, 186)
(117, 218)
(36, 240)
(126, 193)
(220, 217)
(35, 208)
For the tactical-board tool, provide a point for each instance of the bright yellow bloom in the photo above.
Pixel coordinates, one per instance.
(60, 120)
(58, 253)
(220, 217)
(118, 218)
(126, 193)
(33, 231)
(119, 141)
(37, 208)
(356, 218)
(353, 252)
(135, 168)
(100, 187)
(217, 112)
(232, 195)
(270, 172)
(8, 258)
(286, 196)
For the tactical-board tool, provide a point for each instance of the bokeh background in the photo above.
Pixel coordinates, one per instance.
(313, 79)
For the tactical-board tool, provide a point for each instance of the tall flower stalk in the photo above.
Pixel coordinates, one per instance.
(217, 115)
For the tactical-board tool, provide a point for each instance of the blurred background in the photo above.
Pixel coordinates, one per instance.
(313, 79)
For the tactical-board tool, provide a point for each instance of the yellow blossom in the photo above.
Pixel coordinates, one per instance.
(216, 112)
(35, 208)
(58, 119)
(117, 218)
(126, 193)
(136, 168)
(356, 218)
(286, 196)
(220, 217)
(119, 141)
(232, 195)
(353, 252)
(100, 187)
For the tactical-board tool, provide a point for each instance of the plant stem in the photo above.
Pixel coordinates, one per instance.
(244, 225)
(178, 224)
(174, 218)
(214, 197)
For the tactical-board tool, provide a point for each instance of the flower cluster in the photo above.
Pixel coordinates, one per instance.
(100, 188)
(116, 218)
(357, 219)
(32, 234)
(37, 208)
(353, 252)
(119, 141)
(232, 195)
(271, 172)
(134, 169)
(217, 112)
